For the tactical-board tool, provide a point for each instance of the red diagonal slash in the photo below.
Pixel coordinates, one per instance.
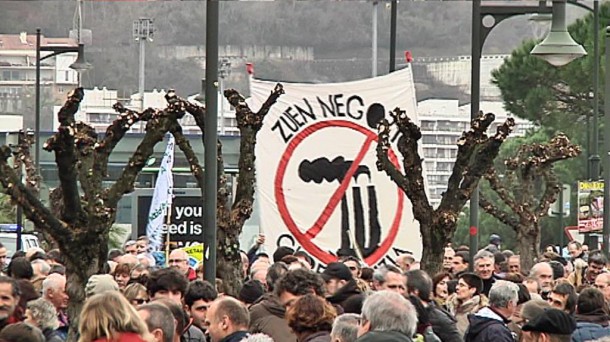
(336, 197)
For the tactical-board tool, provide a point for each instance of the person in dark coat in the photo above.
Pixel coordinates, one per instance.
(592, 321)
(489, 324)
(551, 325)
(227, 320)
(267, 317)
(419, 285)
(342, 288)
(387, 317)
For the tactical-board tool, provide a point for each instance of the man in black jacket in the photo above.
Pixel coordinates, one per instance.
(443, 324)
(490, 323)
(341, 288)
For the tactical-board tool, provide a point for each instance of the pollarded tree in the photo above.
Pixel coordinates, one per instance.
(527, 186)
(83, 210)
(476, 153)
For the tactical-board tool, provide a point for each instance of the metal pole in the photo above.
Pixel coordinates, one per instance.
(561, 219)
(210, 139)
(606, 227)
(394, 14)
(594, 158)
(142, 67)
(374, 63)
(37, 111)
(221, 82)
(475, 87)
(19, 208)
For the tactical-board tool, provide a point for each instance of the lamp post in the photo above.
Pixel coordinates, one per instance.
(79, 65)
(606, 227)
(479, 33)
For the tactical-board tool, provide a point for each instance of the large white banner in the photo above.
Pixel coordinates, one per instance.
(317, 183)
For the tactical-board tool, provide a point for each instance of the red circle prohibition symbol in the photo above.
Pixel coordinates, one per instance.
(305, 238)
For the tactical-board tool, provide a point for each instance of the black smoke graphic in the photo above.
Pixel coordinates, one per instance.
(322, 169)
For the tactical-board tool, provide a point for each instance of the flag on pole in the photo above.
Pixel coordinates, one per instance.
(162, 197)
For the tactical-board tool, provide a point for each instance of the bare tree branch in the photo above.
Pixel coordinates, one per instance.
(496, 212)
(33, 209)
(249, 124)
(157, 126)
(189, 153)
(116, 131)
(62, 143)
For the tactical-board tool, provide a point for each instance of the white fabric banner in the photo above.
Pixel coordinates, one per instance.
(317, 182)
(162, 197)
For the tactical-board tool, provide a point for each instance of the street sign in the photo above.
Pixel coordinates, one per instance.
(555, 209)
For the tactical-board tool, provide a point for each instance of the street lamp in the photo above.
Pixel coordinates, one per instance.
(79, 65)
(593, 164)
(480, 32)
(558, 48)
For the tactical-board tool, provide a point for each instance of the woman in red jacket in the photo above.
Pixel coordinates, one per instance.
(108, 317)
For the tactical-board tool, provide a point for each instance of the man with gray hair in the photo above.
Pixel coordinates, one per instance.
(159, 320)
(389, 277)
(490, 323)
(387, 317)
(345, 328)
(484, 263)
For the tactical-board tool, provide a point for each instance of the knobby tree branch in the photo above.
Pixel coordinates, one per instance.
(249, 123)
(62, 143)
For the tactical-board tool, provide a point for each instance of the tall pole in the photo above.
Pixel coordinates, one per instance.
(210, 139)
(475, 84)
(37, 110)
(374, 47)
(393, 15)
(594, 158)
(141, 74)
(606, 227)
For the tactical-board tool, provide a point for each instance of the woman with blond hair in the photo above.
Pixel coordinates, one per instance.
(109, 317)
(311, 318)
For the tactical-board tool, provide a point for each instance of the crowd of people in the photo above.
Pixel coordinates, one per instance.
(282, 299)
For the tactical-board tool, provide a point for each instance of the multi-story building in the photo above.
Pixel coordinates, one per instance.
(96, 109)
(442, 123)
(18, 73)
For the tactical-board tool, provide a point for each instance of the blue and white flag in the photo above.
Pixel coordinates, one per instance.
(162, 197)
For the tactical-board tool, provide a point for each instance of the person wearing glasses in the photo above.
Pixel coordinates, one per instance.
(136, 294)
(179, 260)
(466, 300)
(389, 277)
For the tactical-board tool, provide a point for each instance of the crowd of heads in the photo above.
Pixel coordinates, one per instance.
(287, 297)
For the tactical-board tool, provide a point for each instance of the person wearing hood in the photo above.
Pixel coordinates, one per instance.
(490, 323)
(466, 300)
(592, 320)
(387, 317)
(341, 288)
(494, 244)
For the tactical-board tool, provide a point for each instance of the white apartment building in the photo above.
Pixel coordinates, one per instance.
(18, 72)
(442, 123)
(96, 109)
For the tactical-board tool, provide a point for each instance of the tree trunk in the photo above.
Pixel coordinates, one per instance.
(435, 237)
(228, 262)
(528, 244)
(84, 257)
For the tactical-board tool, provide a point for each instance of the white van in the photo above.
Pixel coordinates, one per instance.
(8, 237)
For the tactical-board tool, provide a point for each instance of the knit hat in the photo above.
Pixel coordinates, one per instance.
(100, 283)
(251, 291)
